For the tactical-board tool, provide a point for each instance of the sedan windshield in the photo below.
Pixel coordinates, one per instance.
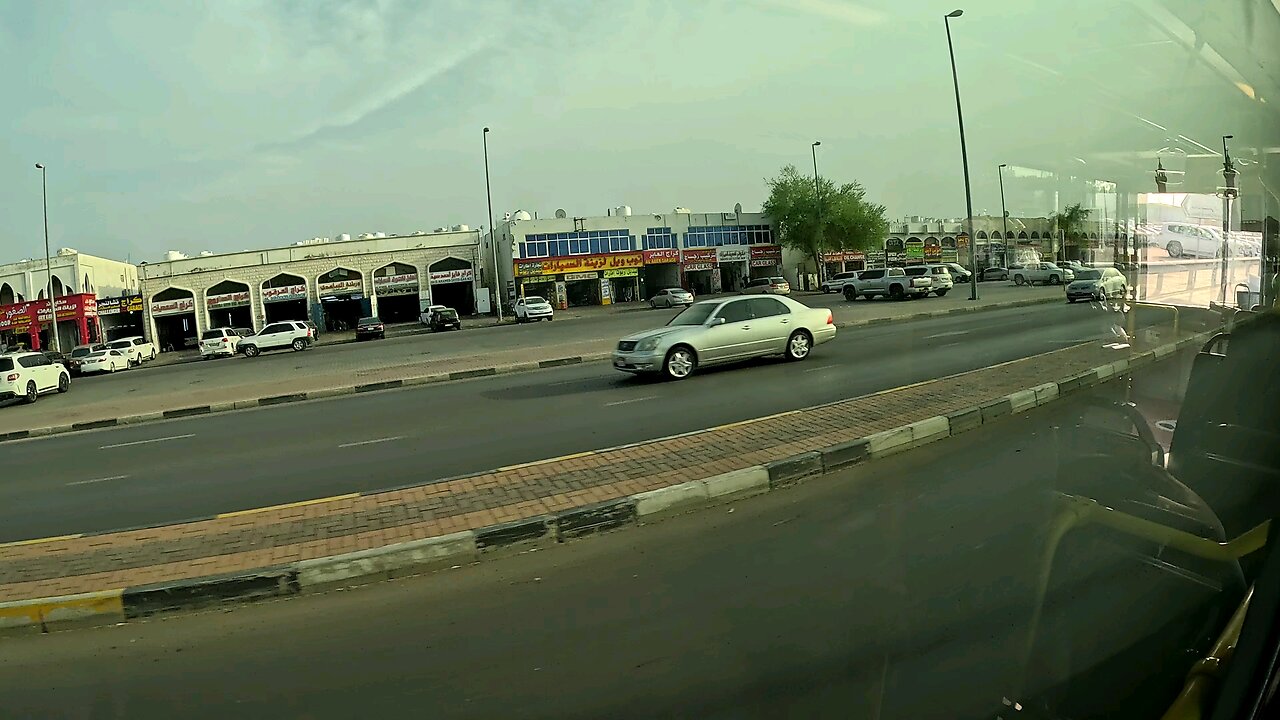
(98, 354)
(1089, 275)
(694, 314)
(369, 321)
(80, 352)
(533, 300)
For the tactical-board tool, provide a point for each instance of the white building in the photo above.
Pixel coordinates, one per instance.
(87, 281)
(623, 257)
(330, 283)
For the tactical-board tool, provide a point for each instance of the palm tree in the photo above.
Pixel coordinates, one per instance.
(1070, 220)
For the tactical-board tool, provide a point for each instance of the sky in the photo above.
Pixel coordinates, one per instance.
(234, 125)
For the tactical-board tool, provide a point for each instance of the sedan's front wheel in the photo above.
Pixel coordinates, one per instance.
(251, 351)
(799, 345)
(299, 345)
(679, 364)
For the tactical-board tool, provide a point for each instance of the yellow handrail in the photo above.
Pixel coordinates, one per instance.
(1193, 701)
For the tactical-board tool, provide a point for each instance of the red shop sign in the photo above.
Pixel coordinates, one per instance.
(766, 252)
(707, 255)
(661, 255)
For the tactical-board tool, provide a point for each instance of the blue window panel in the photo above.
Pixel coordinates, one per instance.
(595, 246)
(575, 246)
(522, 255)
(562, 247)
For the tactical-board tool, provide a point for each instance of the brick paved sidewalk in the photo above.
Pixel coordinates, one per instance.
(256, 539)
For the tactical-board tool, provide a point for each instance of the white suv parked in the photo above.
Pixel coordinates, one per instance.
(278, 336)
(219, 341)
(135, 348)
(28, 374)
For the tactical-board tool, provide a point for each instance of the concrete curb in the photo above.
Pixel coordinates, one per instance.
(508, 369)
(415, 557)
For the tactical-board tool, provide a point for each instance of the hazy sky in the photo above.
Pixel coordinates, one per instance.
(228, 125)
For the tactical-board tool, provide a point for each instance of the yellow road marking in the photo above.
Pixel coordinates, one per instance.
(37, 541)
(301, 503)
(548, 460)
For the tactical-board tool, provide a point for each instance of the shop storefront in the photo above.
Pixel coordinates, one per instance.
(766, 261)
(451, 283)
(661, 270)
(700, 270)
(932, 250)
(284, 297)
(342, 298)
(843, 261)
(624, 284)
(914, 250)
(732, 260)
(173, 311)
(120, 317)
(29, 324)
(575, 281)
(228, 305)
(396, 286)
(949, 253)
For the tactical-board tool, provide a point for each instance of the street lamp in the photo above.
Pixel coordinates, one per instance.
(817, 201)
(493, 234)
(48, 268)
(964, 159)
(1004, 218)
(1229, 193)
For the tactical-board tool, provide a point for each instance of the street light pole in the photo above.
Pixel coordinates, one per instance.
(964, 158)
(817, 202)
(1229, 175)
(48, 266)
(493, 234)
(1004, 219)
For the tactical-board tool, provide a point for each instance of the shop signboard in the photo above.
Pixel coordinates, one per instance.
(661, 256)
(288, 292)
(732, 254)
(117, 305)
(698, 259)
(895, 252)
(766, 255)
(579, 263)
(562, 296)
(451, 276)
(949, 253)
(621, 272)
(228, 300)
(839, 256)
(568, 277)
(606, 293)
(914, 250)
(932, 250)
(401, 284)
(875, 259)
(19, 316)
(161, 308)
(346, 286)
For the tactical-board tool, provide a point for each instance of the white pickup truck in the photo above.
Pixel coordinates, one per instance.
(889, 282)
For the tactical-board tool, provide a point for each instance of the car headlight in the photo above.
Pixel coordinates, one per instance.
(647, 344)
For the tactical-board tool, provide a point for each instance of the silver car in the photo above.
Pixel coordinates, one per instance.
(712, 332)
(670, 297)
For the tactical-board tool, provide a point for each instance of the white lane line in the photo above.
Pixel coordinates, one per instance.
(98, 480)
(632, 400)
(144, 442)
(820, 367)
(371, 442)
(951, 333)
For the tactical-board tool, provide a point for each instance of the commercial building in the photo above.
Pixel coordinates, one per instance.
(96, 299)
(332, 283)
(623, 257)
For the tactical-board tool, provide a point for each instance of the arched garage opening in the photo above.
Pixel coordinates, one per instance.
(229, 305)
(174, 312)
(284, 297)
(452, 281)
(342, 298)
(7, 295)
(396, 286)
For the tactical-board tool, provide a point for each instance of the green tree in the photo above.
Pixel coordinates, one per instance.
(849, 221)
(1069, 221)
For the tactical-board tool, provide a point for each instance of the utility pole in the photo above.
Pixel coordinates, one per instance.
(48, 265)
(1004, 219)
(493, 233)
(817, 202)
(964, 159)
(1229, 193)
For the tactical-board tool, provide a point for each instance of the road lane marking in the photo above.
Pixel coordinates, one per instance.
(286, 506)
(98, 480)
(144, 442)
(632, 400)
(821, 367)
(371, 442)
(951, 333)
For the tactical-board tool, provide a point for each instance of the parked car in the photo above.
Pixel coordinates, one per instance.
(958, 272)
(77, 354)
(712, 332)
(888, 282)
(29, 374)
(278, 336)
(57, 357)
(671, 297)
(1184, 240)
(444, 318)
(370, 328)
(103, 361)
(219, 341)
(767, 286)
(135, 348)
(424, 317)
(532, 307)
(942, 281)
(1075, 265)
(1045, 273)
(836, 282)
(1096, 284)
(993, 273)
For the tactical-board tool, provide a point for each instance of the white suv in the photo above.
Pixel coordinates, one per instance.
(135, 348)
(532, 307)
(219, 341)
(28, 374)
(278, 336)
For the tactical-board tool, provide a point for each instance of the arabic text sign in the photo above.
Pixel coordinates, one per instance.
(581, 263)
(661, 255)
(731, 253)
(621, 272)
(290, 292)
(452, 276)
(160, 308)
(698, 256)
(386, 281)
(347, 286)
(581, 276)
(228, 300)
(114, 306)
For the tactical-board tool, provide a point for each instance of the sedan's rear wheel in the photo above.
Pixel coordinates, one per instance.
(850, 293)
(251, 351)
(799, 345)
(1019, 280)
(1174, 248)
(299, 345)
(679, 364)
(64, 383)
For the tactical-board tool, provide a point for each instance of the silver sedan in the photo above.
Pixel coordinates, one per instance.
(670, 297)
(713, 332)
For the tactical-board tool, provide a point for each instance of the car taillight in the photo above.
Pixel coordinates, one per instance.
(11, 377)
(226, 339)
(831, 320)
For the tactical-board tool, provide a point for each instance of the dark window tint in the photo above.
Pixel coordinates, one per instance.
(767, 307)
(759, 281)
(896, 272)
(736, 311)
(211, 334)
(276, 328)
(693, 315)
(31, 361)
(872, 275)
(914, 271)
(6, 364)
(138, 341)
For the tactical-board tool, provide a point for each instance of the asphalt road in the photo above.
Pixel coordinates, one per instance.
(183, 469)
(900, 589)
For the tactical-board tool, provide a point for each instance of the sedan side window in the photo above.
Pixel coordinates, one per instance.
(735, 311)
(278, 327)
(30, 361)
(768, 307)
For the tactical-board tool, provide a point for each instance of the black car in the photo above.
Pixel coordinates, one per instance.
(444, 319)
(370, 327)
